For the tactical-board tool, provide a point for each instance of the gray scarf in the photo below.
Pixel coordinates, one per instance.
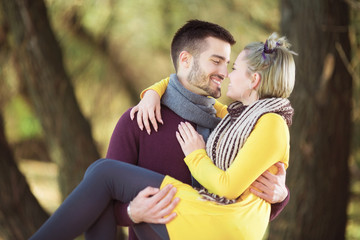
(190, 106)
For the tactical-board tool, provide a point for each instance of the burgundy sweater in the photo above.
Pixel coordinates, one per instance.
(159, 151)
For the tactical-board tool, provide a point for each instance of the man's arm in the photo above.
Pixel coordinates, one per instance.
(272, 189)
(276, 208)
(123, 146)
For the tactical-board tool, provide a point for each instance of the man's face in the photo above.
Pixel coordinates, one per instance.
(210, 68)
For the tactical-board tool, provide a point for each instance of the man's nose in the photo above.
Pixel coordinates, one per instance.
(224, 71)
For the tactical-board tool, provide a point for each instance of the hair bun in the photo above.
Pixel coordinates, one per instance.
(273, 42)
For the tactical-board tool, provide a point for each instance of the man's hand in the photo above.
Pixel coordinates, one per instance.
(148, 109)
(272, 187)
(153, 205)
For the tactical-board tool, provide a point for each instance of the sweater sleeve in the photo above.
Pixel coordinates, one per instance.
(123, 146)
(159, 87)
(276, 208)
(270, 135)
(221, 109)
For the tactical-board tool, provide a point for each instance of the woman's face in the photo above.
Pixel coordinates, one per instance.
(240, 87)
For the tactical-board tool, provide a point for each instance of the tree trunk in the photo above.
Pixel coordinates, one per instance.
(39, 64)
(318, 175)
(20, 213)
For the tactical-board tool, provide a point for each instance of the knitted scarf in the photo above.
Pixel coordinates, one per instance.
(190, 106)
(232, 132)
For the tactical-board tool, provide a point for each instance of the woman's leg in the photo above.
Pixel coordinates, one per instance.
(104, 181)
(104, 227)
(150, 231)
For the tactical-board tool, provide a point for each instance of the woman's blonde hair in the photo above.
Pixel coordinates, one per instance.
(274, 61)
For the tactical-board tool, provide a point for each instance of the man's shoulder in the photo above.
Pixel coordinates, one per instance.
(126, 114)
(125, 118)
(168, 113)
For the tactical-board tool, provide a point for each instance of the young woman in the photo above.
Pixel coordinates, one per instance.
(247, 142)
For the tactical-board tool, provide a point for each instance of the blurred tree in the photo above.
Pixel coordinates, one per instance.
(318, 175)
(20, 212)
(101, 44)
(39, 65)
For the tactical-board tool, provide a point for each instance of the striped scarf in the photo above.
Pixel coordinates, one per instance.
(232, 132)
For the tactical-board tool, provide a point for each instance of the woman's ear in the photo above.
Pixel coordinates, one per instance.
(185, 59)
(256, 78)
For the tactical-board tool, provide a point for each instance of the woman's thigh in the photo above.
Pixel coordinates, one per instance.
(124, 181)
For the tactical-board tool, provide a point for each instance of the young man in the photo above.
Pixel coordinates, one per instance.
(200, 52)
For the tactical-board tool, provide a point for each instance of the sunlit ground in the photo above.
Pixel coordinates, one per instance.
(42, 179)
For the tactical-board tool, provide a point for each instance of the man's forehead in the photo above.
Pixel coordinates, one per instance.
(218, 48)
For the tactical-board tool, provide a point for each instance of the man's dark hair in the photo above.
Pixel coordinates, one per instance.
(191, 36)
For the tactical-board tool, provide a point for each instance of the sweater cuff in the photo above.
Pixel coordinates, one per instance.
(121, 215)
(277, 208)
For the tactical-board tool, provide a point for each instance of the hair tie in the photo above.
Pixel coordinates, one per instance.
(267, 50)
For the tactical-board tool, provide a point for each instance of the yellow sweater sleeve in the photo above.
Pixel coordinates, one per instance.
(160, 88)
(221, 109)
(267, 144)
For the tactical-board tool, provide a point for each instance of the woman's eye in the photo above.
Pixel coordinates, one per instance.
(216, 61)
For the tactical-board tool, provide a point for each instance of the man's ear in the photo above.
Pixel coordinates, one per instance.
(256, 78)
(185, 59)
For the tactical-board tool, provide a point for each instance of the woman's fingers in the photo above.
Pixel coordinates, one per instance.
(139, 120)
(184, 132)
(191, 129)
(145, 118)
(133, 111)
(179, 138)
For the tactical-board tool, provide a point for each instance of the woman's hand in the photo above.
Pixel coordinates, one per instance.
(189, 139)
(148, 108)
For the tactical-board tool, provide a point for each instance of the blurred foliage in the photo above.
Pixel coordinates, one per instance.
(23, 122)
(353, 227)
(139, 33)
(355, 69)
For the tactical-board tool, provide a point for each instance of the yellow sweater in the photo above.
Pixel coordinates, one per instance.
(267, 144)
(248, 218)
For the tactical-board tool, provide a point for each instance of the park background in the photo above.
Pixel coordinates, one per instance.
(69, 69)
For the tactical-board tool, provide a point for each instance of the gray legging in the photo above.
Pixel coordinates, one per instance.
(89, 208)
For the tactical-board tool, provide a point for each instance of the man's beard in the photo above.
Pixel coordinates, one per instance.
(198, 78)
